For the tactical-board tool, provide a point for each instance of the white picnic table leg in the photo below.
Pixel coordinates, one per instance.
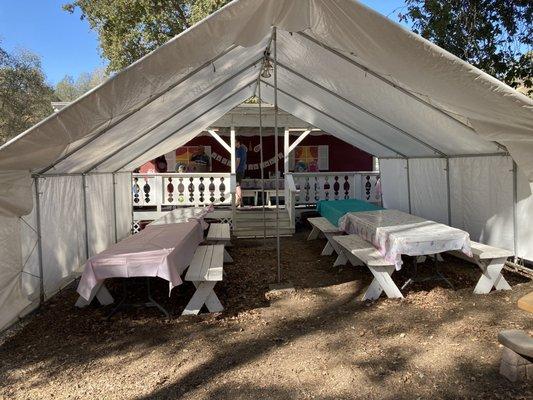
(100, 292)
(204, 293)
(212, 303)
(327, 250)
(227, 257)
(383, 277)
(374, 291)
(340, 260)
(314, 234)
(491, 277)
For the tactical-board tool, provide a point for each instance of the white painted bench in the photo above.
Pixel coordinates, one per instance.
(220, 234)
(491, 261)
(322, 226)
(358, 251)
(206, 269)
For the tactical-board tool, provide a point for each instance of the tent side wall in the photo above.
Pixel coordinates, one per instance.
(68, 230)
(480, 198)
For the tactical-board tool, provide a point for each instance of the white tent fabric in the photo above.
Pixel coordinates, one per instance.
(342, 67)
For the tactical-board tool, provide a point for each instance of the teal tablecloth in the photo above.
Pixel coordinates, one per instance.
(333, 210)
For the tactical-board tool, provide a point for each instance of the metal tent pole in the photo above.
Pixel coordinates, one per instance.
(39, 239)
(276, 150)
(408, 186)
(85, 217)
(515, 210)
(261, 159)
(448, 191)
(115, 205)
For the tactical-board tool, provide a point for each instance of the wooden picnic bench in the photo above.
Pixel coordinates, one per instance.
(491, 261)
(219, 233)
(321, 226)
(357, 251)
(205, 270)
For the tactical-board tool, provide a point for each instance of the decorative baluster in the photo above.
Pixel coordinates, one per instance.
(316, 187)
(201, 188)
(170, 190)
(222, 188)
(181, 190)
(146, 190)
(326, 187)
(336, 187)
(136, 191)
(368, 187)
(211, 189)
(346, 187)
(307, 187)
(191, 190)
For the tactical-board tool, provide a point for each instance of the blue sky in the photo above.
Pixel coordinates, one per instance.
(66, 44)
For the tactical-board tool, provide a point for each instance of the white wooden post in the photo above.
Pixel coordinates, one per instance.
(286, 152)
(232, 141)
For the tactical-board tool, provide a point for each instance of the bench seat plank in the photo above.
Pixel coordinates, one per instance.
(363, 250)
(207, 264)
(219, 232)
(485, 252)
(323, 225)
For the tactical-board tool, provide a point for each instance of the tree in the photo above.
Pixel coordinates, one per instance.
(494, 35)
(25, 98)
(68, 89)
(129, 29)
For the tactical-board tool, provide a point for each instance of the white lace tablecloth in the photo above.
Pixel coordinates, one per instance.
(395, 233)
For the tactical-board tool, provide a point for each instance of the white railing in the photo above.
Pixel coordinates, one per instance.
(315, 186)
(181, 189)
(290, 198)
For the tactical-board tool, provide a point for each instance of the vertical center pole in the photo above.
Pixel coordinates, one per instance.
(115, 205)
(261, 158)
(39, 239)
(448, 191)
(515, 210)
(276, 149)
(85, 216)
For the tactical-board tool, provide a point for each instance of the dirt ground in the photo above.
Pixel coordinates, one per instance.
(318, 342)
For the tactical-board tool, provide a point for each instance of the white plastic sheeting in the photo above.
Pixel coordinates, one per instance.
(62, 230)
(123, 204)
(100, 212)
(482, 198)
(400, 89)
(12, 298)
(524, 211)
(429, 188)
(394, 185)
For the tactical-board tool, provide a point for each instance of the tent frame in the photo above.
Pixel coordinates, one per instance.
(137, 109)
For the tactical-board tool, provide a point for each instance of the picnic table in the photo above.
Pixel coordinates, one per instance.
(184, 214)
(394, 233)
(163, 249)
(334, 210)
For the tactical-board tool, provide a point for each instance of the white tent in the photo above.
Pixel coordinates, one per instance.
(455, 144)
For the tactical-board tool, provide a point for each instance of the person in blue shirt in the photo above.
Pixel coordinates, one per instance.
(240, 163)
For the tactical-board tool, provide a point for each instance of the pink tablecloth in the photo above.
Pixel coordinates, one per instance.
(164, 251)
(395, 233)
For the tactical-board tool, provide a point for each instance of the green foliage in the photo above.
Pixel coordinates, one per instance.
(25, 98)
(494, 35)
(69, 89)
(129, 29)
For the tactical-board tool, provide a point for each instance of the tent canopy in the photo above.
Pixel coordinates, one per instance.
(342, 67)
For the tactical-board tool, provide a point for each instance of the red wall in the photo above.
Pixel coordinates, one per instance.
(342, 156)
